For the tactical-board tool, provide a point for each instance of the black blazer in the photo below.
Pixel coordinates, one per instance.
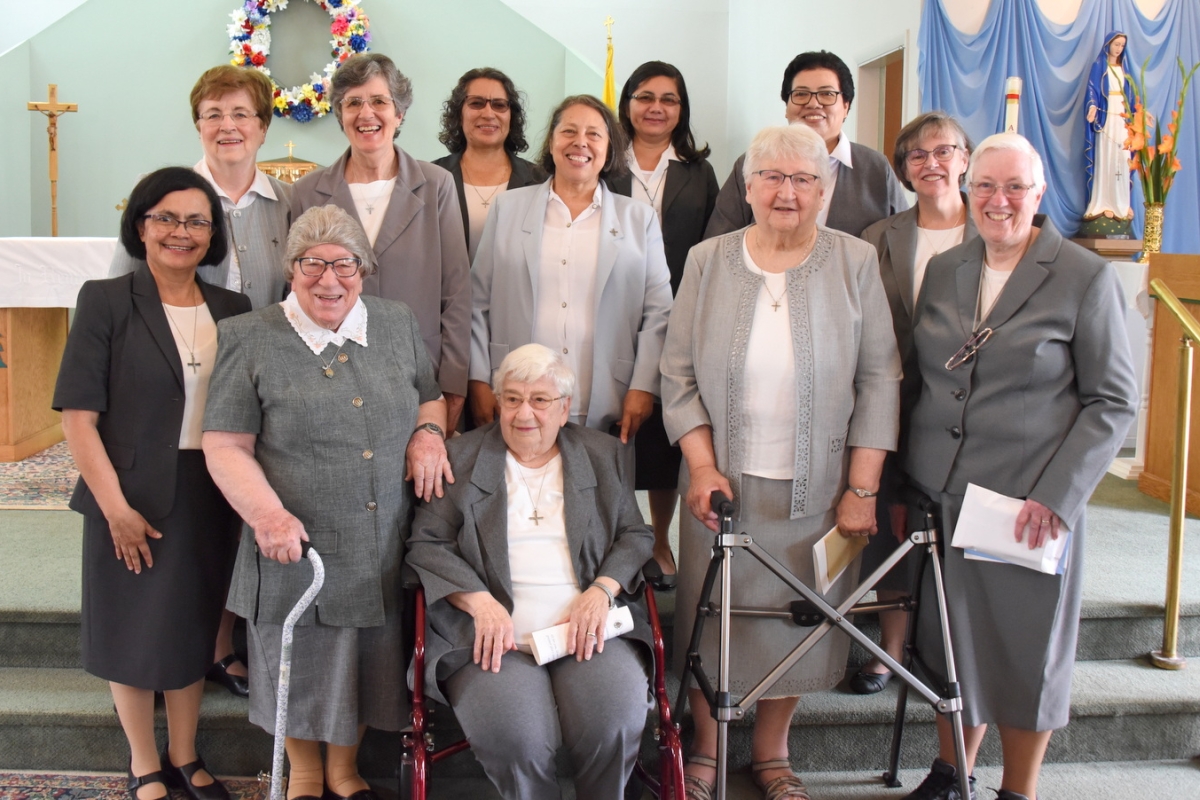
(524, 173)
(688, 199)
(121, 360)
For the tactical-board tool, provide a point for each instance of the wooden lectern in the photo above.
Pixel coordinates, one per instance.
(32, 340)
(1181, 274)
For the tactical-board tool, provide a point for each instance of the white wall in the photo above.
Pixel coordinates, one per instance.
(21, 20)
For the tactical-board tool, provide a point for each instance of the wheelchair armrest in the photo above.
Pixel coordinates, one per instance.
(409, 580)
(651, 570)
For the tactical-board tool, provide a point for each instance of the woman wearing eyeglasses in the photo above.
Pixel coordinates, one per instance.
(483, 127)
(668, 172)
(930, 159)
(780, 383)
(231, 109)
(409, 211)
(1027, 390)
(321, 408)
(158, 537)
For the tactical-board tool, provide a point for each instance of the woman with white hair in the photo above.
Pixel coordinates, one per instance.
(541, 528)
(1027, 390)
(780, 381)
(320, 408)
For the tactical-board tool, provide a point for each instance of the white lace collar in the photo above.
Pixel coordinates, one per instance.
(353, 327)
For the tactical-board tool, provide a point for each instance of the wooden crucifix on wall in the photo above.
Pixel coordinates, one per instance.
(53, 110)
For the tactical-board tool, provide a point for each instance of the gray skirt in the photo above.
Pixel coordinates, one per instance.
(758, 645)
(341, 678)
(1013, 631)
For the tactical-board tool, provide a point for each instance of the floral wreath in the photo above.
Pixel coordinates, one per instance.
(250, 43)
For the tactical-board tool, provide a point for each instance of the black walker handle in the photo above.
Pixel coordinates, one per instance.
(722, 505)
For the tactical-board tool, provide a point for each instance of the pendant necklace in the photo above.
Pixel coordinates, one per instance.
(486, 201)
(520, 471)
(776, 302)
(939, 247)
(328, 368)
(191, 347)
(646, 188)
(370, 204)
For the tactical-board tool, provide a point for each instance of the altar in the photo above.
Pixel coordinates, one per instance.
(39, 280)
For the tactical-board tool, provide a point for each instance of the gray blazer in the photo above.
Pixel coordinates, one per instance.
(523, 174)
(847, 369)
(633, 294)
(864, 194)
(332, 449)
(459, 542)
(1043, 408)
(420, 252)
(258, 234)
(895, 239)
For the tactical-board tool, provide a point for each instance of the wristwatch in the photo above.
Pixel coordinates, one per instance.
(861, 492)
(432, 428)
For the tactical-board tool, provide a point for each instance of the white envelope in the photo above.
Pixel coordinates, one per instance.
(550, 644)
(985, 532)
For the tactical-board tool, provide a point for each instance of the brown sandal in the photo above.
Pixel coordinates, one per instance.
(783, 787)
(696, 788)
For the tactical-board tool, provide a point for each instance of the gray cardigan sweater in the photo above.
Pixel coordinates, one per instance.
(844, 350)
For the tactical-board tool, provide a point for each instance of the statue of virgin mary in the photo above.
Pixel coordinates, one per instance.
(1109, 97)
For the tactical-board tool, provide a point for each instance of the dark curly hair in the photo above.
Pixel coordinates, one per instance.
(618, 143)
(452, 135)
(681, 138)
(150, 190)
(819, 59)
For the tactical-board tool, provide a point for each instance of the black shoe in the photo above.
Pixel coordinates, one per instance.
(868, 682)
(137, 782)
(940, 784)
(361, 794)
(181, 778)
(219, 673)
(1005, 794)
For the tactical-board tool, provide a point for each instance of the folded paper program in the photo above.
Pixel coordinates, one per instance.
(550, 644)
(985, 531)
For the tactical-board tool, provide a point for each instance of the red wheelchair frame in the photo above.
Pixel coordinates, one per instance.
(420, 752)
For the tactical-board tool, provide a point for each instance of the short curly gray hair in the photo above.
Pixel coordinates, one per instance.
(532, 362)
(788, 141)
(327, 225)
(360, 68)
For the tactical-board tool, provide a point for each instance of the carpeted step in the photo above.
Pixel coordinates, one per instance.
(62, 719)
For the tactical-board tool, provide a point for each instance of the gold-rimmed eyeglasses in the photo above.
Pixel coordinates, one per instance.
(539, 402)
(968, 350)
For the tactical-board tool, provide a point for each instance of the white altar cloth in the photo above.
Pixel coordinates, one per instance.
(46, 272)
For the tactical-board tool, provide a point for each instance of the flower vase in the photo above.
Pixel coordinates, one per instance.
(1152, 233)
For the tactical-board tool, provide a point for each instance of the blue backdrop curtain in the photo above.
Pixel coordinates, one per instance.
(964, 74)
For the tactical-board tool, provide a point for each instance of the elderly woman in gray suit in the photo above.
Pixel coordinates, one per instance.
(780, 383)
(573, 266)
(541, 528)
(321, 407)
(409, 210)
(930, 158)
(1027, 390)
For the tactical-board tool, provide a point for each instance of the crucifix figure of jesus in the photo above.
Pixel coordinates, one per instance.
(53, 110)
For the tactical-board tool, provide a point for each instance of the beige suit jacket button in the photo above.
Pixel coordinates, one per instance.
(356, 402)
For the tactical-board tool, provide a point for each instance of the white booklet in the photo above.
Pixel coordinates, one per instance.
(550, 644)
(985, 533)
(832, 554)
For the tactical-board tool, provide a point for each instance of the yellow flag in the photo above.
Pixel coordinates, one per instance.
(610, 77)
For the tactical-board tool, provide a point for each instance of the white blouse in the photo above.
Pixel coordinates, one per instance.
(769, 400)
(194, 325)
(539, 558)
(371, 201)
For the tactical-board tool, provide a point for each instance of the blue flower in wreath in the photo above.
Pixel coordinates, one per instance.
(318, 88)
(358, 43)
(302, 112)
(335, 3)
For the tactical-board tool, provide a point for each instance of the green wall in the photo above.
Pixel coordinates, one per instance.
(131, 71)
(14, 142)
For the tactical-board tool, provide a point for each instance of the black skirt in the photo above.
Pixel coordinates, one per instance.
(157, 630)
(656, 459)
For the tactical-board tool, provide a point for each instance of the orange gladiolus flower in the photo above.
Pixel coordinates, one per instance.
(1168, 144)
(1175, 165)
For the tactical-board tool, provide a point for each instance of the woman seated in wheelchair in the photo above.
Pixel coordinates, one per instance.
(540, 528)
